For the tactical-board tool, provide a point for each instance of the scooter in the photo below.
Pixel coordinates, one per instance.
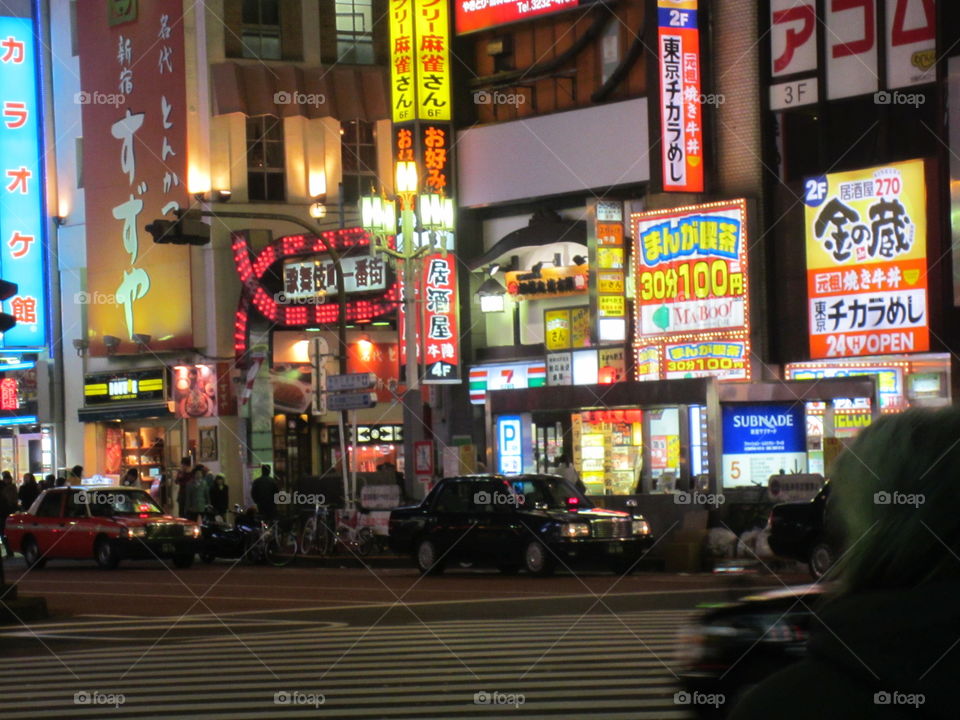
(220, 539)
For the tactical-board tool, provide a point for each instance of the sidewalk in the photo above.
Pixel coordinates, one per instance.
(15, 610)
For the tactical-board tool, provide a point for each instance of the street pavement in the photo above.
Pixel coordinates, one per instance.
(613, 666)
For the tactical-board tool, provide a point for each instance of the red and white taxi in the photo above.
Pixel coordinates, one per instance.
(108, 524)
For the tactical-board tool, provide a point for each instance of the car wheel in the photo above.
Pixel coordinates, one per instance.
(31, 554)
(207, 557)
(183, 560)
(427, 559)
(821, 558)
(537, 560)
(105, 553)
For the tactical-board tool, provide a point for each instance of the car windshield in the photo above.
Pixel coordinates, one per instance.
(548, 492)
(107, 503)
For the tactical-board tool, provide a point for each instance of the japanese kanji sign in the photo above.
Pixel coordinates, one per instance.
(419, 60)
(441, 337)
(21, 185)
(681, 133)
(310, 279)
(134, 126)
(866, 235)
(474, 15)
(692, 291)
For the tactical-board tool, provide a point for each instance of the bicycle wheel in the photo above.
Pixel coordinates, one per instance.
(366, 542)
(281, 546)
(308, 536)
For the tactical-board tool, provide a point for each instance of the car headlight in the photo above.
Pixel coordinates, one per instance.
(641, 527)
(573, 530)
(138, 531)
(192, 531)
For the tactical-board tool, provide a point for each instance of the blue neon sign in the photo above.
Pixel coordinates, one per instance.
(22, 245)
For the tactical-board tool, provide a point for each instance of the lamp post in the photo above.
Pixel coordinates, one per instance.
(379, 219)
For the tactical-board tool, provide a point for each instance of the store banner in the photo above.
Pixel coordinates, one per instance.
(403, 92)
(316, 279)
(866, 240)
(420, 60)
(383, 360)
(560, 368)
(441, 337)
(134, 111)
(195, 391)
(22, 246)
(762, 440)
(681, 123)
(509, 376)
(692, 291)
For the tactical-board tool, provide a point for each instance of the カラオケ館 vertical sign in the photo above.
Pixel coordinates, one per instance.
(21, 187)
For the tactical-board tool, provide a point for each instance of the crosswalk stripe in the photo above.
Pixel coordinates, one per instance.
(564, 666)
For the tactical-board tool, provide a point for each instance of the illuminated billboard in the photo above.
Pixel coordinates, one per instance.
(866, 245)
(21, 187)
(693, 314)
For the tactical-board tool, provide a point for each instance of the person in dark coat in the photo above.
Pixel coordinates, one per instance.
(131, 478)
(181, 480)
(263, 492)
(8, 504)
(884, 644)
(220, 496)
(29, 490)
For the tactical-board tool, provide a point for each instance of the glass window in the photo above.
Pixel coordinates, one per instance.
(50, 505)
(260, 34)
(358, 156)
(455, 497)
(76, 504)
(266, 175)
(355, 31)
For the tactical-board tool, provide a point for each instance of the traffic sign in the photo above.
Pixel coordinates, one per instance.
(351, 381)
(351, 401)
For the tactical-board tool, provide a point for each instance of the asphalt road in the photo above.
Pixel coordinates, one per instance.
(243, 641)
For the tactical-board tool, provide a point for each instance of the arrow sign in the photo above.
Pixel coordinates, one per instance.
(351, 381)
(351, 401)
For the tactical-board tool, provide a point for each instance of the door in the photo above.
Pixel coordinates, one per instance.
(78, 526)
(452, 524)
(495, 522)
(45, 525)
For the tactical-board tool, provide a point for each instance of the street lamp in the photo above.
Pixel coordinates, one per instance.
(379, 219)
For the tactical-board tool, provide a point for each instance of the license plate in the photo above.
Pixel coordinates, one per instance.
(615, 549)
(168, 548)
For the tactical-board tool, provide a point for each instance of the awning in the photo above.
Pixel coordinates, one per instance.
(125, 412)
(345, 93)
(546, 227)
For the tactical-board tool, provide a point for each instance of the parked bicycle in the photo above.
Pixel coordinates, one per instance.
(325, 533)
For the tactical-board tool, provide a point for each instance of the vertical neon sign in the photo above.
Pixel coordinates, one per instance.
(21, 185)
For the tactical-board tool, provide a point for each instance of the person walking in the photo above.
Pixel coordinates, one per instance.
(198, 495)
(220, 496)
(49, 482)
(8, 505)
(569, 473)
(131, 478)
(263, 492)
(29, 490)
(76, 476)
(881, 642)
(181, 480)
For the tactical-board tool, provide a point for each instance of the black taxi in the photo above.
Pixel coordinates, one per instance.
(534, 522)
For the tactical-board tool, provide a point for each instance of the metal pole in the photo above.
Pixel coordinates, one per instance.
(412, 405)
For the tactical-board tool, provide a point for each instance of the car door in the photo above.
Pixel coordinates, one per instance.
(451, 519)
(78, 525)
(44, 526)
(494, 519)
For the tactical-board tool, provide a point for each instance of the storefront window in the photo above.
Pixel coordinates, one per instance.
(664, 428)
(608, 450)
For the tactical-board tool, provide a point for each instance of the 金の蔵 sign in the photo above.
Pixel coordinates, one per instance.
(866, 238)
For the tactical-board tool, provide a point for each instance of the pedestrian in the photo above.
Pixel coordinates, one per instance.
(220, 496)
(49, 482)
(76, 476)
(198, 495)
(131, 478)
(8, 505)
(61, 481)
(888, 627)
(569, 473)
(180, 480)
(29, 490)
(263, 492)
